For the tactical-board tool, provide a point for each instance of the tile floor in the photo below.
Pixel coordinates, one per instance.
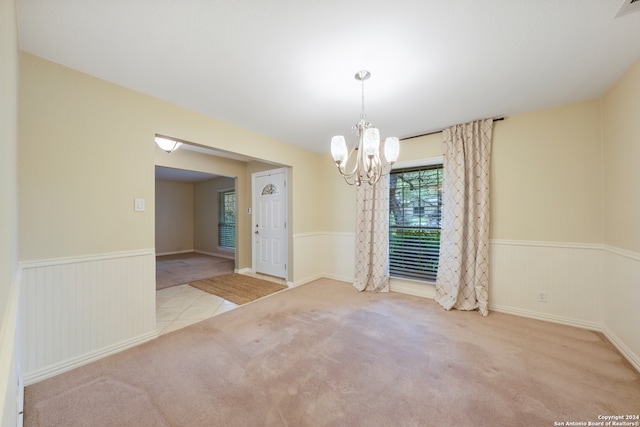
(180, 306)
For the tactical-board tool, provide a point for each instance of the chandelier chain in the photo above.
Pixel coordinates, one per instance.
(362, 113)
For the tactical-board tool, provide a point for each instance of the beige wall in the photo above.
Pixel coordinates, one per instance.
(622, 162)
(546, 176)
(8, 144)
(206, 214)
(174, 216)
(86, 151)
(8, 211)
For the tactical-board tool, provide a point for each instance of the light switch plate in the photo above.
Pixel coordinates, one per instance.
(138, 205)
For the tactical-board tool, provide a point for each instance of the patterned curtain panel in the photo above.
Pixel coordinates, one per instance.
(372, 236)
(463, 273)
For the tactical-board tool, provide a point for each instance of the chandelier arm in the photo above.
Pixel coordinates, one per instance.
(356, 177)
(342, 167)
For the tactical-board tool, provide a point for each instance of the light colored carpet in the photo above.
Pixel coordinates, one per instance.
(106, 397)
(238, 288)
(324, 354)
(178, 269)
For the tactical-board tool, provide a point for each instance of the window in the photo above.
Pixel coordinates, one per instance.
(227, 219)
(415, 210)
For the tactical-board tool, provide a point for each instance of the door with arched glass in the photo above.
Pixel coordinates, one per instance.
(270, 240)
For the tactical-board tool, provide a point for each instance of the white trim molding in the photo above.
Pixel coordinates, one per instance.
(412, 287)
(622, 252)
(186, 251)
(536, 243)
(11, 381)
(244, 271)
(563, 320)
(628, 353)
(24, 265)
(83, 359)
(231, 253)
(429, 161)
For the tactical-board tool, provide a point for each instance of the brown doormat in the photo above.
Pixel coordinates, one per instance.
(238, 288)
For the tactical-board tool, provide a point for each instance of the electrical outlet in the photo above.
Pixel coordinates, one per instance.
(542, 296)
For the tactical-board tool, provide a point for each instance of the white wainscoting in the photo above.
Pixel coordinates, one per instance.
(339, 256)
(307, 257)
(569, 274)
(621, 301)
(77, 310)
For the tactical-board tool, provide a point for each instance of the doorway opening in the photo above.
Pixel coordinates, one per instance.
(195, 213)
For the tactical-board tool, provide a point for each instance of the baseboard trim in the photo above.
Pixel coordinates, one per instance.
(219, 255)
(333, 277)
(175, 252)
(427, 290)
(311, 279)
(546, 317)
(67, 365)
(243, 271)
(622, 348)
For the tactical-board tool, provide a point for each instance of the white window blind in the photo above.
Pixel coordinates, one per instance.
(227, 219)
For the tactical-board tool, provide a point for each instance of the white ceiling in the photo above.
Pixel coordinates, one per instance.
(181, 175)
(285, 68)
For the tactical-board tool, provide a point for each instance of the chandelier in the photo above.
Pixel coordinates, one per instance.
(368, 165)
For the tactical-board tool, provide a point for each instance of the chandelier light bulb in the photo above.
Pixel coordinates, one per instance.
(371, 142)
(391, 149)
(339, 149)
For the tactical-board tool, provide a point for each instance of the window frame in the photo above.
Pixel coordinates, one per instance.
(221, 223)
(436, 161)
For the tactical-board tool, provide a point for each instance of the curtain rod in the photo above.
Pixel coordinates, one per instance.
(438, 131)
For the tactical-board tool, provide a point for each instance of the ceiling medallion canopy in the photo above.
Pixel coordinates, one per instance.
(368, 165)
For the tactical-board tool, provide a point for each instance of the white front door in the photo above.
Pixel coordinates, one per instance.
(270, 222)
